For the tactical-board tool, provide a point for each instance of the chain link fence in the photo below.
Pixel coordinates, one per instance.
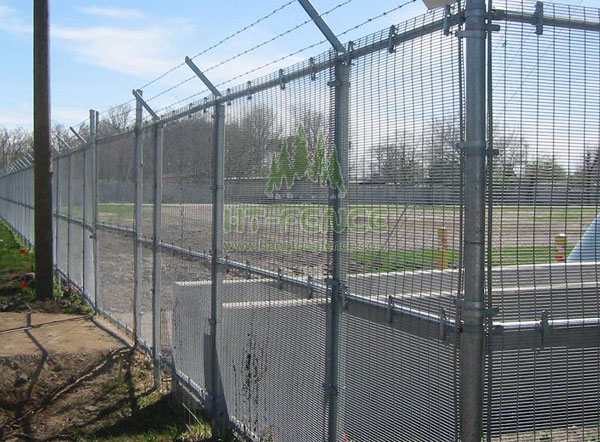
(393, 242)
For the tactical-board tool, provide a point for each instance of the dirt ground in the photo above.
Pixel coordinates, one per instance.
(71, 377)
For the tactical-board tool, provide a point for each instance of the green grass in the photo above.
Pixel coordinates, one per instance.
(426, 259)
(12, 259)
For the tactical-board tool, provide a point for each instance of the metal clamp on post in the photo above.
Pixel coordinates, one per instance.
(539, 18)
(205, 105)
(281, 79)
(227, 94)
(391, 39)
(280, 277)
(543, 326)
(313, 68)
(443, 324)
(474, 306)
(477, 148)
(249, 87)
(350, 52)
(248, 269)
(311, 289)
(480, 31)
(344, 292)
(446, 20)
(390, 309)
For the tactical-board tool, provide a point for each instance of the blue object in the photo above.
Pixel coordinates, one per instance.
(588, 247)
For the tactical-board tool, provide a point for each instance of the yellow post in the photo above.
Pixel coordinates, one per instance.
(443, 257)
(560, 247)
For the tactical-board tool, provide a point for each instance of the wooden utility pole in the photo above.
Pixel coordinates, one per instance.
(41, 150)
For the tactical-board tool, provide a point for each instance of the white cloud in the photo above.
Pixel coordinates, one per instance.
(117, 13)
(18, 115)
(139, 52)
(11, 22)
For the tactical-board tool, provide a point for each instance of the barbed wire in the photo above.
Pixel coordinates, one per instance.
(251, 49)
(219, 43)
(369, 20)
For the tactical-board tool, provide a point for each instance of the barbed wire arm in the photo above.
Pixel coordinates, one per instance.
(202, 77)
(79, 137)
(138, 96)
(323, 27)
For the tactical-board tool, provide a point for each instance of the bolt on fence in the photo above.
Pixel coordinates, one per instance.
(392, 240)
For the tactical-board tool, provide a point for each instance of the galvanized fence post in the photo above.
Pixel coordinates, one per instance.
(138, 246)
(218, 406)
(157, 252)
(339, 261)
(339, 255)
(57, 202)
(93, 151)
(69, 216)
(84, 178)
(473, 307)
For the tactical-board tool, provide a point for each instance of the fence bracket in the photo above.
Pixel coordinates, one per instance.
(477, 307)
(138, 96)
(202, 77)
(539, 18)
(281, 79)
(390, 309)
(313, 69)
(446, 20)
(543, 326)
(391, 37)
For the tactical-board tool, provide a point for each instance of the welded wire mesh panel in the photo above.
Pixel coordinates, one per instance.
(26, 209)
(186, 229)
(186, 209)
(185, 314)
(403, 223)
(62, 203)
(88, 224)
(272, 342)
(116, 197)
(76, 198)
(277, 147)
(147, 230)
(546, 100)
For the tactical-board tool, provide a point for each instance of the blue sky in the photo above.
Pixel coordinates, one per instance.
(101, 50)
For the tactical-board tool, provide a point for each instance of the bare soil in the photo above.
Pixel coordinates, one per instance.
(71, 377)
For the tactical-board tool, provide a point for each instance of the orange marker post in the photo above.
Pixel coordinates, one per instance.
(443, 257)
(560, 247)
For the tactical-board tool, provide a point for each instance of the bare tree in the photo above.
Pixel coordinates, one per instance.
(251, 142)
(14, 144)
(119, 118)
(395, 163)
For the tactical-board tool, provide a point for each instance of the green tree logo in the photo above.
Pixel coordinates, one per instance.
(322, 171)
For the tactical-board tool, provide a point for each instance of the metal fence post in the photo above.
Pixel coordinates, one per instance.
(218, 406)
(93, 150)
(337, 275)
(339, 255)
(84, 251)
(58, 203)
(69, 216)
(137, 300)
(157, 252)
(473, 307)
